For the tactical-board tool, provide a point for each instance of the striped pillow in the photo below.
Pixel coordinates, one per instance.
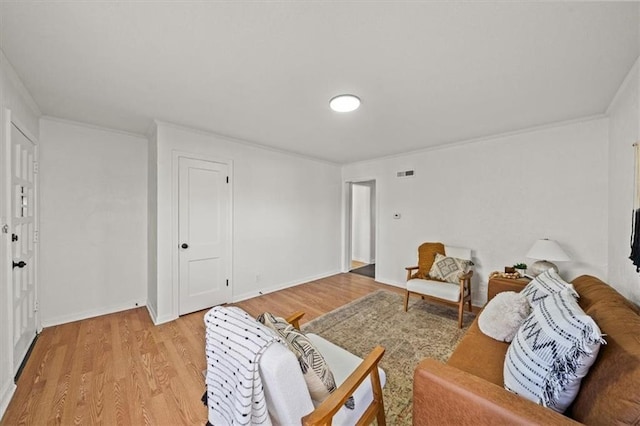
(552, 351)
(548, 282)
(316, 372)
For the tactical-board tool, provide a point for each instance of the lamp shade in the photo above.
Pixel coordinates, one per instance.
(547, 250)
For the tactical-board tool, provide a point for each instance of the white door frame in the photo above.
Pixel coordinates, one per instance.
(6, 272)
(175, 225)
(347, 218)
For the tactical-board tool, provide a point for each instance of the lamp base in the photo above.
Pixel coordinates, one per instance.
(540, 266)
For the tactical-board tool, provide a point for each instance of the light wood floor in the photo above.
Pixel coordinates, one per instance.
(121, 369)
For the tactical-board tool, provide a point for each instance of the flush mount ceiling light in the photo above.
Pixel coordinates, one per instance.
(344, 103)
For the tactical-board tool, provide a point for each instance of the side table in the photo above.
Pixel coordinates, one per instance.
(498, 284)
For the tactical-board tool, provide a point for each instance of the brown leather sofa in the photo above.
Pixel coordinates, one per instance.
(468, 389)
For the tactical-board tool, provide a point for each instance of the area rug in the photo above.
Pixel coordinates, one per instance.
(366, 270)
(426, 330)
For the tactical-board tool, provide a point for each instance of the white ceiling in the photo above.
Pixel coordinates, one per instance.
(428, 73)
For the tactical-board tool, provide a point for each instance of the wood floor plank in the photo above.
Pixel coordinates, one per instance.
(120, 369)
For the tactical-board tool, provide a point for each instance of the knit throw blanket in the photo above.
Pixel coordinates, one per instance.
(234, 344)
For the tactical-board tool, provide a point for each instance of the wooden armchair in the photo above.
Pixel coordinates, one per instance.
(442, 292)
(287, 397)
(324, 413)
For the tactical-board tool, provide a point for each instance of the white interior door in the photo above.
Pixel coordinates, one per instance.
(23, 248)
(204, 234)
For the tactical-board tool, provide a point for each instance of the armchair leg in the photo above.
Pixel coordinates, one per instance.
(460, 313)
(406, 301)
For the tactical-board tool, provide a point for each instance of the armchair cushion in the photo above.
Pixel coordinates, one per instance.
(343, 363)
(439, 289)
(448, 269)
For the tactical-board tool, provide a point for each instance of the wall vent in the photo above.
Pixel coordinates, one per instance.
(406, 173)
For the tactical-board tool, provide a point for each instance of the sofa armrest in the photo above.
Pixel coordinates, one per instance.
(445, 395)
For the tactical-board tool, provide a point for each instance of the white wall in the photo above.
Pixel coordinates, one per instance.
(93, 233)
(624, 131)
(16, 99)
(361, 238)
(286, 216)
(496, 196)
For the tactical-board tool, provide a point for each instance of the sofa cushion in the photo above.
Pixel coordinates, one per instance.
(441, 290)
(502, 316)
(548, 282)
(480, 355)
(448, 269)
(552, 352)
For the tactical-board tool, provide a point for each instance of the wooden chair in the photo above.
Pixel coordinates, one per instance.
(287, 396)
(442, 292)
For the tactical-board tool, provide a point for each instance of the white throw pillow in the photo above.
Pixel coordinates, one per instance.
(548, 282)
(552, 351)
(503, 315)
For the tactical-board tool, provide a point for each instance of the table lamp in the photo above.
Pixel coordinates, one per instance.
(545, 250)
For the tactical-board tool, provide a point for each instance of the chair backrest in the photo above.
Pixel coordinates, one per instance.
(458, 252)
(284, 386)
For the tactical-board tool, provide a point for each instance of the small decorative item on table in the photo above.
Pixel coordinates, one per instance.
(509, 275)
(521, 268)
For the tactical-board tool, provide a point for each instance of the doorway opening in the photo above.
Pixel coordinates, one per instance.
(362, 229)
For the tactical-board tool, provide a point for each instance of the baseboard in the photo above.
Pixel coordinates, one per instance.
(157, 320)
(267, 290)
(91, 313)
(8, 389)
(391, 282)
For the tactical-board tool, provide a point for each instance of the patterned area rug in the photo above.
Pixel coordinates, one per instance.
(426, 330)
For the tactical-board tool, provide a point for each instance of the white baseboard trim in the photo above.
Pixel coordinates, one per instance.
(267, 290)
(391, 282)
(157, 320)
(8, 389)
(63, 319)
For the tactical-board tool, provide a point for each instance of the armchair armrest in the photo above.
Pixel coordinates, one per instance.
(323, 414)
(446, 395)
(409, 269)
(294, 319)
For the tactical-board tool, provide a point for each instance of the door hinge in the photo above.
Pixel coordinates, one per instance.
(36, 306)
(35, 167)
(227, 179)
(227, 283)
(36, 236)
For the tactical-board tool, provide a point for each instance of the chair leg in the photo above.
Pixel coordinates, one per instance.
(460, 312)
(470, 308)
(406, 301)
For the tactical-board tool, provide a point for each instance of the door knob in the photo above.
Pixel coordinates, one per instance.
(185, 246)
(20, 264)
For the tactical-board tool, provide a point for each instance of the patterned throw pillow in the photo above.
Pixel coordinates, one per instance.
(316, 372)
(448, 269)
(552, 351)
(548, 282)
